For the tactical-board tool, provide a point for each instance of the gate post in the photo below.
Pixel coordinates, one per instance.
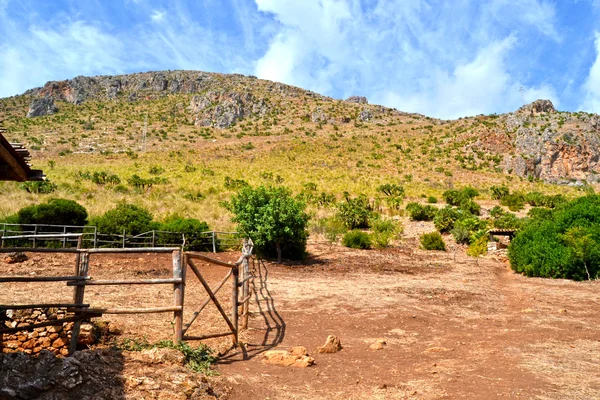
(178, 298)
(234, 302)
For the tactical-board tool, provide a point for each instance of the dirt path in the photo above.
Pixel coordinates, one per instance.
(453, 330)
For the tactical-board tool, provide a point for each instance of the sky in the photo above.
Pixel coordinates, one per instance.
(444, 59)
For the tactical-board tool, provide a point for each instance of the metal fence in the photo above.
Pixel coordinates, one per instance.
(65, 236)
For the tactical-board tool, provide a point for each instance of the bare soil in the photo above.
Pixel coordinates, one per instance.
(454, 326)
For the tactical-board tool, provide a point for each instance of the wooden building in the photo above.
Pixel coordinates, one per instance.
(14, 162)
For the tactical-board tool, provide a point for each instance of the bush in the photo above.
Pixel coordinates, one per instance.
(331, 228)
(191, 228)
(445, 218)
(394, 194)
(39, 187)
(355, 213)
(356, 239)
(564, 243)
(131, 218)
(499, 192)
(274, 220)
(514, 202)
(54, 212)
(432, 241)
(478, 246)
(432, 199)
(384, 231)
(461, 234)
(420, 212)
(457, 197)
(466, 227)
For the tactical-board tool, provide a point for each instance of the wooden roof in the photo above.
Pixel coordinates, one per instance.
(14, 162)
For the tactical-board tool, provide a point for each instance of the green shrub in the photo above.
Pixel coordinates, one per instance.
(131, 218)
(507, 221)
(432, 241)
(499, 192)
(191, 228)
(457, 197)
(274, 220)
(564, 243)
(432, 199)
(514, 202)
(356, 239)
(384, 231)
(461, 234)
(331, 228)
(466, 227)
(39, 187)
(419, 212)
(355, 213)
(445, 218)
(54, 212)
(394, 194)
(469, 206)
(497, 212)
(478, 246)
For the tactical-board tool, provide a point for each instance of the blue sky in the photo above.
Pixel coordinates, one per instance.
(440, 58)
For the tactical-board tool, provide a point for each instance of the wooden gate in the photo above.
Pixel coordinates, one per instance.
(240, 275)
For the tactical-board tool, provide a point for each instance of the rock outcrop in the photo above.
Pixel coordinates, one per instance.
(540, 142)
(221, 109)
(357, 100)
(42, 106)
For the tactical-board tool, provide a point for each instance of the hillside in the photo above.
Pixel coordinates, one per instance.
(206, 131)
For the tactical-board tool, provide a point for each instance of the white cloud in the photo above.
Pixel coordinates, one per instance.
(481, 86)
(413, 55)
(591, 86)
(157, 15)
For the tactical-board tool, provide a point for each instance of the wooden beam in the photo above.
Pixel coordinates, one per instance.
(7, 156)
(48, 305)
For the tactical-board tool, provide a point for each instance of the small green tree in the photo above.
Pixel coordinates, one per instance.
(274, 220)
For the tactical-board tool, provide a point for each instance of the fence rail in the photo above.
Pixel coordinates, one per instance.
(238, 272)
(67, 236)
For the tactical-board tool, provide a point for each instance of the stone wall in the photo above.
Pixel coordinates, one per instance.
(55, 338)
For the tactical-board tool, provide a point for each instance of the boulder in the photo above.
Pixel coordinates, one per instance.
(295, 357)
(332, 345)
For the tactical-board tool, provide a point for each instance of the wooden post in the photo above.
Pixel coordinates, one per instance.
(64, 241)
(214, 240)
(35, 231)
(95, 237)
(153, 238)
(178, 298)
(234, 304)
(82, 263)
(3, 234)
(245, 293)
(123, 238)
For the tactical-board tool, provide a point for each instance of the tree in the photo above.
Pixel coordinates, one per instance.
(274, 220)
(54, 212)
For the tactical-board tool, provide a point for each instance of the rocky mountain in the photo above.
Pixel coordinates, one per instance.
(535, 142)
(218, 100)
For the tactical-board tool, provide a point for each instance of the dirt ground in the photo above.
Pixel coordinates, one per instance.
(455, 327)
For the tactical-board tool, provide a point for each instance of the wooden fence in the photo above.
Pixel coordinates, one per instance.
(65, 236)
(180, 260)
